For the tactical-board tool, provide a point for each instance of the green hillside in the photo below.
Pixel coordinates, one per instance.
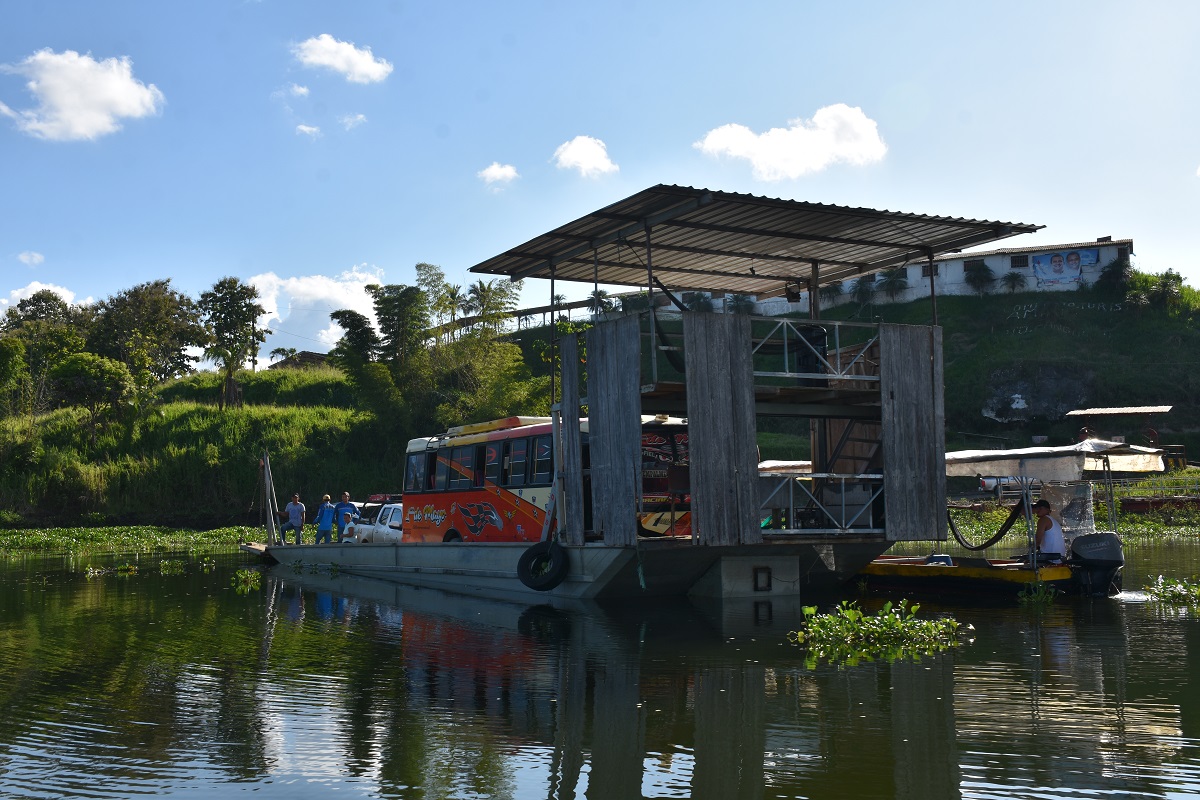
(178, 459)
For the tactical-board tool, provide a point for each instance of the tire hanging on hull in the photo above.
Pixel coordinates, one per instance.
(543, 566)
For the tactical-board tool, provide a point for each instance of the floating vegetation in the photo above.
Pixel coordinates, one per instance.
(207, 565)
(1176, 591)
(172, 566)
(848, 635)
(247, 580)
(1038, 595)
(120, 539)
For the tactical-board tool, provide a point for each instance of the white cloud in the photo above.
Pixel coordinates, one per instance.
(296, 90)
(356, 64)
(588, 155)
(498, 175)
(351, 121)
(30, 258)
(309, 130)
(298, 308)
(17, 295)
(80, 97)
(836, 133)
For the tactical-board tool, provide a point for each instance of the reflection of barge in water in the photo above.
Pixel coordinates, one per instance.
(870, 395)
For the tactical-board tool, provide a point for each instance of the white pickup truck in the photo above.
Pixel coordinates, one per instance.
(377, 524)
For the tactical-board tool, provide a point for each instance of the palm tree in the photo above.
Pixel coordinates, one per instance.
(740, 304)
(1168, 289)
(600, 302)
(830, 292)
(894, 282)
(979, 276)
(1117, 274)
(280, 353)
(1013, 281)
(699, 301)
(863, 291)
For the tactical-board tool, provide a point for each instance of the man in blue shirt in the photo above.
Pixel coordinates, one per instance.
(324, 517)
(340, 511)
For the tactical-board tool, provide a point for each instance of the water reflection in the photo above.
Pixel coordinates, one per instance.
(116, 687)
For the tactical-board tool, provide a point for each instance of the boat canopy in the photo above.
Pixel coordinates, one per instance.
(1066, 463)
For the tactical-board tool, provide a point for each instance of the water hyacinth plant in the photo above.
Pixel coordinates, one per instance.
(1175, 591)
(847, 635)
(1038, 595)
(247, 580)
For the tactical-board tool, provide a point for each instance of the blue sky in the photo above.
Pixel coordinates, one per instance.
(314, 147)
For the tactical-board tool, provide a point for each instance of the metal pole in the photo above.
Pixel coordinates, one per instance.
(814, 292)
(932, 292)
(653, 316)
(553, 335)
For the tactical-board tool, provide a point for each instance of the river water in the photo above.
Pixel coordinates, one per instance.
(123, 685)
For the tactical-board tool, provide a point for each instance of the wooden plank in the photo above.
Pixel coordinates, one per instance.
(722, 452)
(570, 515)
(614, 428)
(914, 432)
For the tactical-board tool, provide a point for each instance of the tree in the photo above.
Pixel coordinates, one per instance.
(893, 282)
(740, 304)
(1116, 275)
(14, 373)
(43, 305)
(94, 382)
(1167, 290)
(284, 353)
(230, 311)
(402, 313)
(1013, 281)
(359, 344)
(599, 302)
(830, 292)
(979, 276)
(47, 344)
(698, 301)
(863, 291)
(639, 301)
(170, 321)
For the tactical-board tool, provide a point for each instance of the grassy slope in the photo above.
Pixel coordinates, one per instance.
(190, 465)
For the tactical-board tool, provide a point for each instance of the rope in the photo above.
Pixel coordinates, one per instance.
(1018, 511)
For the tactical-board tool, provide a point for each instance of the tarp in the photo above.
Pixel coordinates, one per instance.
(1066, 463)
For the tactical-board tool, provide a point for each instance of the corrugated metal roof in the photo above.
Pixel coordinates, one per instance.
(1117, 411)
(1048, 248)
(726, 242)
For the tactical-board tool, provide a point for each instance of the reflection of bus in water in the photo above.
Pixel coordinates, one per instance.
(492, 481)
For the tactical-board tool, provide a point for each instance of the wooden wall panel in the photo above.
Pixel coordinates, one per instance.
(914, 432)
(722, 451)
(570, 449)
(615, 427)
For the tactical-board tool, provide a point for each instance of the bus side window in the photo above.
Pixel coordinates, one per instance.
(414, 478)
(462, 462)
(543, 461)
(477, 473)
(442, 476)
(492, 461)
(430, 470)
(515, 451)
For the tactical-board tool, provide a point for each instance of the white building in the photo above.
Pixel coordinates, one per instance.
(1047, 268)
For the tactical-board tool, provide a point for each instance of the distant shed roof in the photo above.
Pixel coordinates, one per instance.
(721, 241)
(1037, 248)
(1118, 411)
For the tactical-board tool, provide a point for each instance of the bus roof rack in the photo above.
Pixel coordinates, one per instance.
(495, 425)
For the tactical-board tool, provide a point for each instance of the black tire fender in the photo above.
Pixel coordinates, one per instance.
(452, 536)
(543, 566)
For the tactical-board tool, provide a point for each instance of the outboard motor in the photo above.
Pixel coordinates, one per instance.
(1096, 560)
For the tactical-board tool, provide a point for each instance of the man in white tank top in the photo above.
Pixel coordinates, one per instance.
(1050, 539)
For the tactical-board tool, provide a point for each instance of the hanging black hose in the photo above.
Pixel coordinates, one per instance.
(1018, 511)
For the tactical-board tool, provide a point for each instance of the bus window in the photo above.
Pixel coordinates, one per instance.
(414, 473)
(430, 469)
(515, 456)
(543, 461)
(442, 475)
(491, 469)
(477, 472)
(462, 467)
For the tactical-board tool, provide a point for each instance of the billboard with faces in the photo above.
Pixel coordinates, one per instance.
(1062, 266)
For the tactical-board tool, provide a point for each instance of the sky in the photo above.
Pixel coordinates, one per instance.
(312, 148)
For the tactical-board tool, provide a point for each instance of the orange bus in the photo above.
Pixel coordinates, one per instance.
(492, 481)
